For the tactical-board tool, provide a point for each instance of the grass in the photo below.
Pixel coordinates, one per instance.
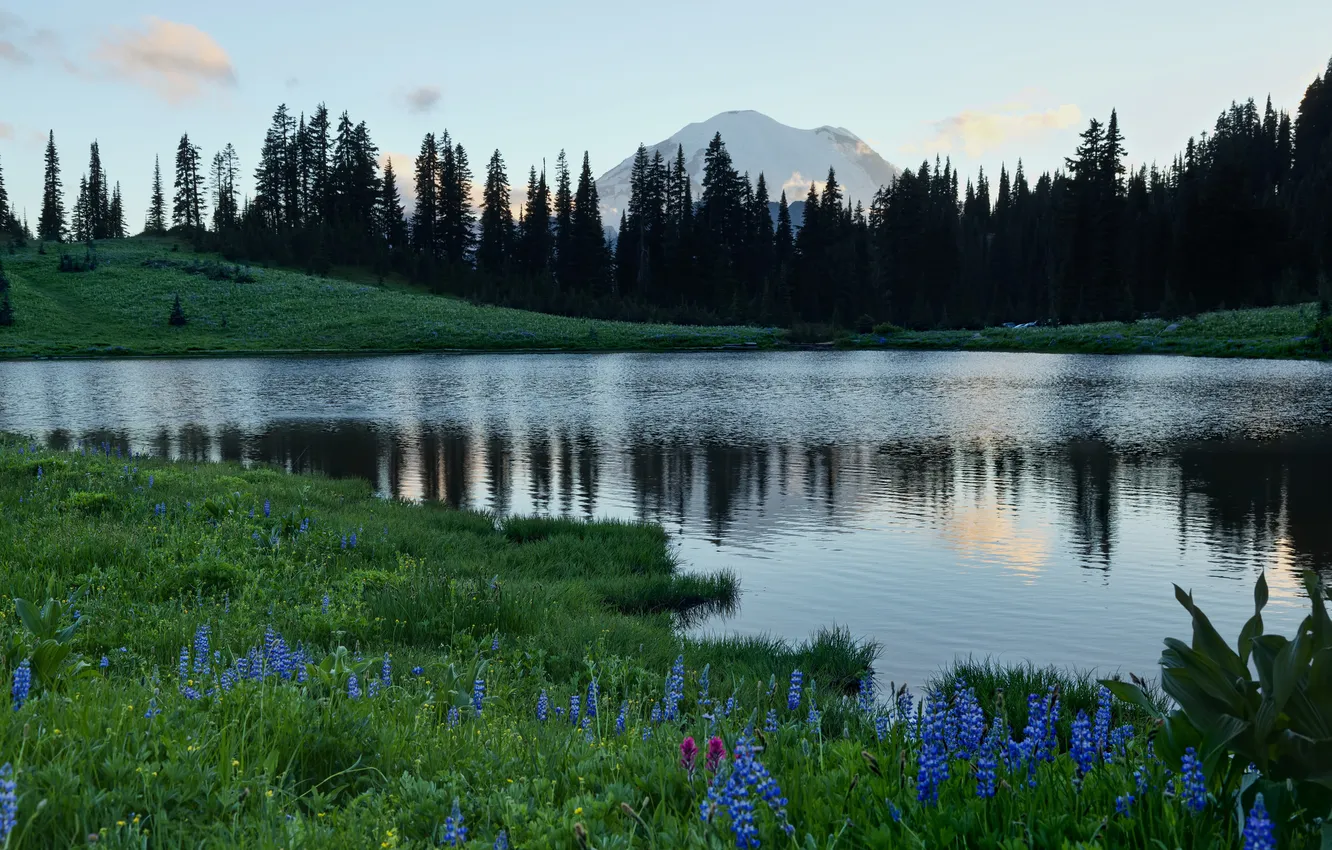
(121, 309)
(222, 613)
(1268, 332)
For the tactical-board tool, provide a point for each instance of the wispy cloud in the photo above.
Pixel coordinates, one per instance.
(977, 131)
(176, 60)
(6, 130)
(423, 98)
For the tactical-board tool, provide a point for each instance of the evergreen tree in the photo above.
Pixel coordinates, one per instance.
(274, 183)
(51, 223)
(565, 267)
(425, 237)
(187, 207)
(80, 226)
(495, 246)
(98, 201)
(115, 220)
(535, 229)
(8, 220)
(226, 209)
(588, 239)
(316, 156)
(457, 218)
(177, 318)
(155, 224)
(392, 225)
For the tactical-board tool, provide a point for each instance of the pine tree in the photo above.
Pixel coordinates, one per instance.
(425, 236)
(316, 157)
(155, 224)
(588, 243)
(177, 318)
(456, 214)
(187, 208)
(51, 223)
(535, 249)
(98, 202)
(565, 267)
(496, 243)
(115, 219)
(79, 221)
(225, 169)
(274, 183)
(8, 220)
(392, 225)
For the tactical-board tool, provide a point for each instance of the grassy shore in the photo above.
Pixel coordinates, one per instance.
(244, 658)
(121, 309)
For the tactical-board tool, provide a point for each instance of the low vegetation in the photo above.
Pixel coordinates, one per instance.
(227, 657)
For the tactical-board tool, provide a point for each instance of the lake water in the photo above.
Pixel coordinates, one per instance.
(1020, 506)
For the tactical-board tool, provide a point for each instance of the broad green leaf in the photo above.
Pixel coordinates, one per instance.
(27, 612)
(1132, 694)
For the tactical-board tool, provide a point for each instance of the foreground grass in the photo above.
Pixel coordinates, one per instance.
(1269, 332)
(121, 308)
(278, 661)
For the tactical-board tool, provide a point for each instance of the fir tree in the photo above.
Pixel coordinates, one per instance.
(225, 169)
(425, 237)
(565, 267)
(588, 240)
(51, 223)
(392, 225)
(316, 157)
(155, 224)
(79, 221)
(98, 202)
(187, 207)
(115, 219)
(535, 249)
(495, 246)
(6, 214)
(177, 318)
(456, 215)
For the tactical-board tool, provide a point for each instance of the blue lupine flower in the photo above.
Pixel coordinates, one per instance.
(815, 716)
(704, 685)
(1118, 741)
(881, 726)
(324, 605)
(353, 687)
(372, 688)
(893, 811)
(985, 774)
(386, 673)
(793, 695)
(1194, 790)
(351, 540)
(153, 710)
(1124, 804)
(502, 841)
(418, 671)
(559, 712)
(1259, 833)
(455, 717)
(656, 712)
(8, 802)
(478, 695)
(770, 725)
(344, 541)
(674, 689)
(184, 667)
(573, 710)
(1051, 743)
(906, 707)
(226, 602)
(1082, 748)
(865, 698)
(455, 834)
(267, 509)
(494, 643)
(933, 760)
(201, 651)
(968, 722)
(150, 482)
(622, 718)
(730, 706)
(1101, 727)
(592, 699)
(1140, 779)
(22, 684)
(104, 663)
(736, 790)
(543, 706)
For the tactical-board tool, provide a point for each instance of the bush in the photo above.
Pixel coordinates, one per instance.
(886, 329)
(865, 324)
(177, 319)
(808, 332)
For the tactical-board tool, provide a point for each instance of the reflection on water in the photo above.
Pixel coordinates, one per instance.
(1024, 506)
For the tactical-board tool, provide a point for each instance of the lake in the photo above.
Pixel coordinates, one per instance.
(1019, 506)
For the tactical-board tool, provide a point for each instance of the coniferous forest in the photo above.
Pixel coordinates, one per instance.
(1241, 217)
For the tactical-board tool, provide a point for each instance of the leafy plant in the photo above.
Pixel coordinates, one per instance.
(52, 656)
(1280, 721)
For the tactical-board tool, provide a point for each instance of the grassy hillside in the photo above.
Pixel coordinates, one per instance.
(121, 308)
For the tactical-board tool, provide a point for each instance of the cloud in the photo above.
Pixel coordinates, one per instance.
(293, 82)
(976, 132)
(175, 60)
(797, 186)
(423, 98)
(9, 21)
(11, 52)
(6, 130)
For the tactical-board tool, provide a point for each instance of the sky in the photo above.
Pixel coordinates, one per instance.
(983, 83)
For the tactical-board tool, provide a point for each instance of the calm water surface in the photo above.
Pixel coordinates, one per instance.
(1027, 507)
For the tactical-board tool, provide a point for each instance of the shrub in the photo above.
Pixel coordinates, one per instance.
(807, 332)
(177, 319)
(865, 324)
(886, 329)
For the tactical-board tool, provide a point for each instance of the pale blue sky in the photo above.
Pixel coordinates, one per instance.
(977, 81)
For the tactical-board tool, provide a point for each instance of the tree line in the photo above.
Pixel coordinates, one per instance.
(1241, 217)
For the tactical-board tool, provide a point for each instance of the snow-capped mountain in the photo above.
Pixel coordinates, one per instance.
(789, 159)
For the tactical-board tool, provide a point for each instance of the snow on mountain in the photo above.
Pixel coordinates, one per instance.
(789, 158)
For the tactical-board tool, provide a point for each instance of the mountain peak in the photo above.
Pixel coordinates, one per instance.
(790, 158)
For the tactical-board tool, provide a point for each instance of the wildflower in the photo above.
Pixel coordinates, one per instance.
(716, 753)
(622, 718)
(985, 774)
(1140, 779)
(933, 759)
(418, 671)
(372, 688)
(968, 721)
(543, 707)
(704, 685)
(8, 803)
(478, 695)
(351, 541)
(1118, 741)
(455, 833)
(573, 710)
(1194, 790)
(22, 684)
(1101, 726)
(1082, 748)
(1258, 830)
(353, 687)
(386, 673)
(454, 717)
(906, 706)
(201, 651)
(815, 717)
(1124, 804)
(674, 689)
(881, 726)
(502, 841)
(559, 712)
(893, 811)
(592, 699)
(323, 608)
(656, 712)
(770, 725)
(153, 710)
(494, 643)
(793, 695)
(865, 698)
(150, 482)
(104, 663)
(736, 790)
